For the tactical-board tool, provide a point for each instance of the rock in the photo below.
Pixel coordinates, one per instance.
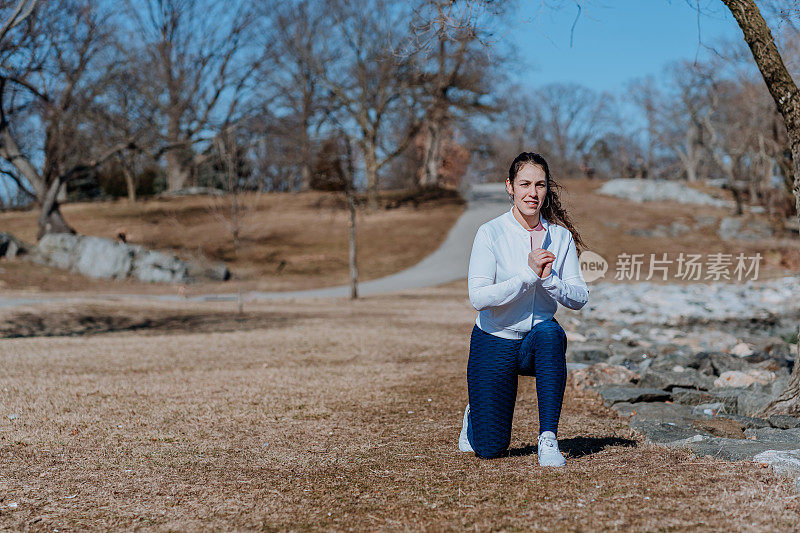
(575, 366)
(10, 246)
(679, 305)
(154, 267)
(668, 380)
(573, 336)
(587, 353)
(705, 221)
(658, 411)
(733, 449)
(710, 340)
(612, 395)
(748, 421)
(749, 228)
(709, 409)
(670, 361)
(104, 258)
(600, 374)
(664, 432)
(721, 427)
(56, 250)
(624, 335)
(729, 397)
(741, 350)
(775, 435)
(783, 462)
(656, 190)
(737, 378)
(101, 258)
(733, 378)
(751, 403)
(690, 396)
(784, 421)
(715, 363)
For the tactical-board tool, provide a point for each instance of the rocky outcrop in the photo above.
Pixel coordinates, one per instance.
(658, 190)
(104, 258)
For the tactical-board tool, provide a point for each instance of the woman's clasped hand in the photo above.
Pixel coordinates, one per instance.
(540, 261)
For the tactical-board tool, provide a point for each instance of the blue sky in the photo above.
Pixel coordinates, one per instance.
(613, 41)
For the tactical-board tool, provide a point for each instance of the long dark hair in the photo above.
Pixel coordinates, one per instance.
(551, 209)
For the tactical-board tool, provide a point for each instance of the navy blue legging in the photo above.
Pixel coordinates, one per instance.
(492, 370)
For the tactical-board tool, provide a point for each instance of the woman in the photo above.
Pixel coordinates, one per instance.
(522, 266)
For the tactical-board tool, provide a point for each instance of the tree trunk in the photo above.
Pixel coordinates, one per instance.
(371, 171)
(305, 173)
(50, 218)
(785, 94)
(129, 184)
(353, 265)
(431, 156)
(177, 170)
(788, 402)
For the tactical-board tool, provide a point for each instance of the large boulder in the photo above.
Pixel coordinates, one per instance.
(105, 258)
(658, 190)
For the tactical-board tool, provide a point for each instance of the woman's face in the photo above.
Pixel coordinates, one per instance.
(529, 189)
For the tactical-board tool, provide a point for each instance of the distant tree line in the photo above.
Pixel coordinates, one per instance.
(135, 97)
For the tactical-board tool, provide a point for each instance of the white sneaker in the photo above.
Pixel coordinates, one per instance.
(548, 450)
(463, 441)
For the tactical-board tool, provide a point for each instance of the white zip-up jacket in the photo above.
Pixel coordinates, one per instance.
(510, 296)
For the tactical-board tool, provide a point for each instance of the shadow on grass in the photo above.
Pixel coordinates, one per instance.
(577, 446)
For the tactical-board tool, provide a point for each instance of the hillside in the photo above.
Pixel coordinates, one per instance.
(290, 241)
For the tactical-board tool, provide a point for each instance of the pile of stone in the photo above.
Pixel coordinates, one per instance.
(105, 258)
(678, 304)
(708, 401)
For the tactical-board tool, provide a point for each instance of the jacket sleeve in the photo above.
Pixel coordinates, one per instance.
(483, 291)
(568, 286)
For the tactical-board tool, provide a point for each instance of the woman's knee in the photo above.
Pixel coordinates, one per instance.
(491, 451)
(549, 332)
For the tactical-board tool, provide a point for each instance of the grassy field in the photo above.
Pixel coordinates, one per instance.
(332, 415)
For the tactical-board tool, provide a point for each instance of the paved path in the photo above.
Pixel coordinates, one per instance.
(448, 263)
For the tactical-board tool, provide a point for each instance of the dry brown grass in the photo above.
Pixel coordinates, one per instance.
(343, 416)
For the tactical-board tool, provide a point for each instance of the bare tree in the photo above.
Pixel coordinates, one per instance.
(786, 96)
(567, 120)
(370, 78)
(454, 67)
(235, 209)
(199, 64)
(295, 102)
(54, 69)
